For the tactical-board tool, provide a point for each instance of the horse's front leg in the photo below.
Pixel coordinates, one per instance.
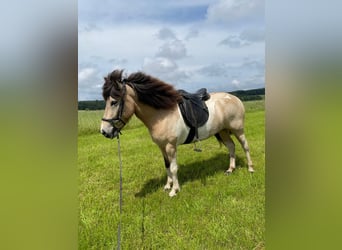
(169, 175)
(171, 152)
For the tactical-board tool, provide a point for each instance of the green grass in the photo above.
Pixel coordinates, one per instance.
(212, 210)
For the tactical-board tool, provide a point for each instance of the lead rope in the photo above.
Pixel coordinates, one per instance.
(120, 196)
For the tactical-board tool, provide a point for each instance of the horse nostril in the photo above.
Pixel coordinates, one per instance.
(106, 134)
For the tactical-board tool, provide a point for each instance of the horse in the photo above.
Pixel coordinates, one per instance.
(156, 104)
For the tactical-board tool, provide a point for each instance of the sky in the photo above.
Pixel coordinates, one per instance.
(219, 45)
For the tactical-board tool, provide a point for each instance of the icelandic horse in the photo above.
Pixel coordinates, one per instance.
(155, 103)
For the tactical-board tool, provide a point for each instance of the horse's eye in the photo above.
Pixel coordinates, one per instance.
(113, 103)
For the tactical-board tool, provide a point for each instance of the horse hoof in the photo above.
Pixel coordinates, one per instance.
(173, 193)
(167, 187)
(251, 170)
(227, 172)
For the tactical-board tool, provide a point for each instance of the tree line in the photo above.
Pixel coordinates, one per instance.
(244, 95)
(250, 95)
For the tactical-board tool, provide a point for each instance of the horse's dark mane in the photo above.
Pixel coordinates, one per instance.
(111, 86)
(150, 90)
(153, 91)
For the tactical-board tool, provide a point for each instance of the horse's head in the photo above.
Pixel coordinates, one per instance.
(118, 108)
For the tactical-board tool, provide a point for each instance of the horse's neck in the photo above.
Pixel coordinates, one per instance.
(147, 114)
(150, 116)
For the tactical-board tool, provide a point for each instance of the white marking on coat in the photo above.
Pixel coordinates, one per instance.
(181, 130)
(204, 131)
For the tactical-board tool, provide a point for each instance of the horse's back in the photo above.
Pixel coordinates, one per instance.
(227, 102)
(227, 110)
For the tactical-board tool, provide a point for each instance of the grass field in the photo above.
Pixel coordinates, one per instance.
(212, 210)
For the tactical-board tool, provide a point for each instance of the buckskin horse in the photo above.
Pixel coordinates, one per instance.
(158, 105)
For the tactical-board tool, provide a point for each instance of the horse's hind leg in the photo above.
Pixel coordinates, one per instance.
(229, 143)
(243, 141)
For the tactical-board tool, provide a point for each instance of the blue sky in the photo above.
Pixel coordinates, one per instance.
(191, 44)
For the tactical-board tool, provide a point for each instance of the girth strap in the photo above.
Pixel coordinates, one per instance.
(191, 136)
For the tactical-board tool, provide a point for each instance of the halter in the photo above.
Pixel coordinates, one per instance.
(117, 121)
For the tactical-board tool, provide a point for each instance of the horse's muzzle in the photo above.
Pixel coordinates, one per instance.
(111, 135)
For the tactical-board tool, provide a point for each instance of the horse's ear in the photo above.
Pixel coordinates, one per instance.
(116, 75)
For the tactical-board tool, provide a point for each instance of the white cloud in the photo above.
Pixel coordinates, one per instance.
(236, 83)
(214, 70)
(164, 65)
(253, 35)
(193, 33)
(178, 51)
(233, 11)
(89, 84)
(245, 75)
(85, 73)
(245, 38)
(173, 49)
(159, 65)
(234, 41)
(165, 34)
(165, 69)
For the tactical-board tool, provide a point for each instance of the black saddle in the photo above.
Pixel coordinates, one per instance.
(201, 94)
(194, 111)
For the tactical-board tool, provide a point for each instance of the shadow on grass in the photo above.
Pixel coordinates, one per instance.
(198, 170)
